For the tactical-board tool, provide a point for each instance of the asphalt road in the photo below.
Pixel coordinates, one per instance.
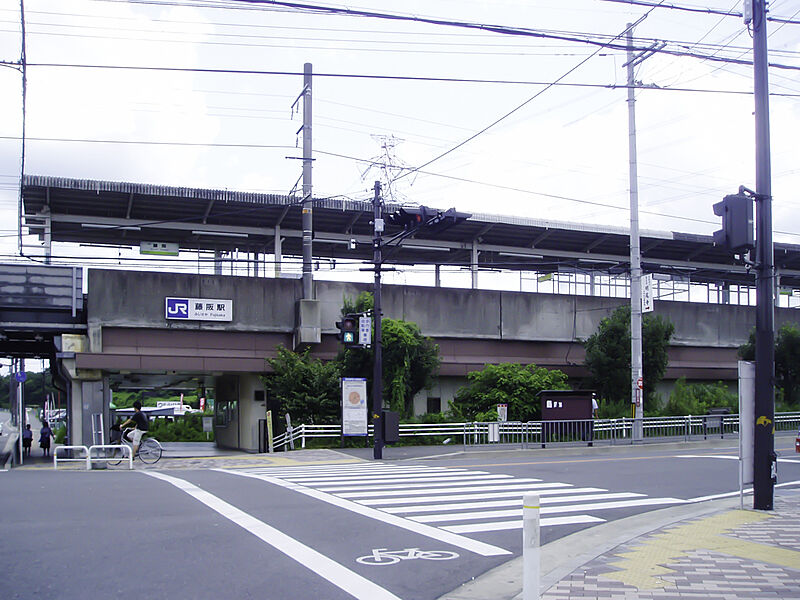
(298, 532)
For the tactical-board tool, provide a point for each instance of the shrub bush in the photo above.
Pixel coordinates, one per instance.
(697, 398)
(188, 428)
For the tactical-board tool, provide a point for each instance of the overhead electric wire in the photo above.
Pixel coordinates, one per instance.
(151, 142)
(405, 42)
(613, 86)
(543, 194)
(501, 29)
(698, 9)
(319, 8)
(517, 108)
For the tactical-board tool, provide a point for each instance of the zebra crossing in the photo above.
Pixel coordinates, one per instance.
(452, 499)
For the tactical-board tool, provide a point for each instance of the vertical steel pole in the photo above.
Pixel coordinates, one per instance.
(764, 441)
(308, 291)
(377, 372)
(637, 395)
(21, 406)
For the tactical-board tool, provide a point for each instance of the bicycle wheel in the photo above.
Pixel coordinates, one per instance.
(150, 451)
(436, 555)
(380, 559)
(115, 455)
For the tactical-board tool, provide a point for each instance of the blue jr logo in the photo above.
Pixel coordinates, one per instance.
(177, 308)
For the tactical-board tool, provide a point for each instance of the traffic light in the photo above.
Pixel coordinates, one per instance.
(409, 218)
(348, 330)
(433, 220)
(736, 234)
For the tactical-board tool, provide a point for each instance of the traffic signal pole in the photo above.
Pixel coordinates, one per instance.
(764, 439)
(377, 373)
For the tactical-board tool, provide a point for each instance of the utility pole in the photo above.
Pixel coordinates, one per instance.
(308, 282)
(636, 267)
(764, 440)
(377, 372)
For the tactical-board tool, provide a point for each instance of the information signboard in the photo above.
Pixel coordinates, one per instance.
(354, 406)
(364, 331)
(199, 309)
(502, 412)
(647, 292)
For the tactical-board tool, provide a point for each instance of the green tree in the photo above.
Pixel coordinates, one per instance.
(506, 383)
(608, 356)
(697, 398)
(410, 360)
(305, 387)
(36, 387)
(787, 361)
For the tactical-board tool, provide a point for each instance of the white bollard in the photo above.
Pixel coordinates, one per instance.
(530, 547)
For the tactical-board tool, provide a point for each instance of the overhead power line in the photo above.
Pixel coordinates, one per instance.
(610, 86)
(318, 8)
(698, 9)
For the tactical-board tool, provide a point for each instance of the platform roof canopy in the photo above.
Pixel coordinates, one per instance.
(125, 214)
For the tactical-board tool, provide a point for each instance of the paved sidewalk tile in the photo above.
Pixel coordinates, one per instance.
(734, 555)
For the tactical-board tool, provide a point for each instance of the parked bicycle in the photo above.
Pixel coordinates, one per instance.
(384, 556)
(150, 448)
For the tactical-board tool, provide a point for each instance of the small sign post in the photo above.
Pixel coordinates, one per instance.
(502, 412)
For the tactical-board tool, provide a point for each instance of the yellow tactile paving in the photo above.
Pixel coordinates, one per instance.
(644, 566)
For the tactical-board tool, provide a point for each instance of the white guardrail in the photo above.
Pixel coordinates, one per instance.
(532, 433)
(89, 454)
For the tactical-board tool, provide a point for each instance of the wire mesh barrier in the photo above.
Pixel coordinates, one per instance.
(517, 434)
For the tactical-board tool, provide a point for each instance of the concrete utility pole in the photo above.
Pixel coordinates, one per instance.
(308, 281)
(377, 369)
(636, 267)
(764, 451)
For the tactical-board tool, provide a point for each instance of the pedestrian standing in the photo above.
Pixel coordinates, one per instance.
(27, 438)
(44, 439)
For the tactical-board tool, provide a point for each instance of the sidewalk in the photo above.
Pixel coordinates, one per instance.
(709, 551)
(203, 455)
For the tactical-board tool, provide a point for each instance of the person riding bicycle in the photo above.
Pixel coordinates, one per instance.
(140, 425)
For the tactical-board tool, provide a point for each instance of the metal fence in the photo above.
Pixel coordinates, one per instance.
(548, 433)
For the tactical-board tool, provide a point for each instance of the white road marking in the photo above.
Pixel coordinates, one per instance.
(340, 576)
(723, 456)
(432, 532)
(449, 495)
(731, 457)
(500, 514)
(395, 510)
(542, 489)
(504, 525)
(480, 486)
(344, 469)
(378, 477)
(393, 484)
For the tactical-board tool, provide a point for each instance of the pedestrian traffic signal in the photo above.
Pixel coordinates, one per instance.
(348, 330)
(736, 234)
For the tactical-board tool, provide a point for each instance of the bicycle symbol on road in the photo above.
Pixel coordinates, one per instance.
(384, 556)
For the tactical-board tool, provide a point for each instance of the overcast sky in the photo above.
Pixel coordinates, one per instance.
(562, 156)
